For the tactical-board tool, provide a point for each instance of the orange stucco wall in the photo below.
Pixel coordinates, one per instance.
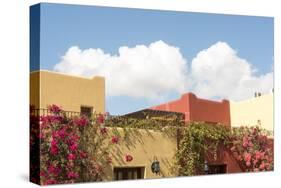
(196, 109)
(224, 156)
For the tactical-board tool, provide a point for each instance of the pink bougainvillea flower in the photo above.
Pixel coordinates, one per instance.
(55, 119)
(50, 182)
(262, 155)
(54, 170)
(81, 122)
(54, 150)
(54, 142)
(71, 175)
(83, 154)
(54, 147)
(43, 122)
(72, 139)
(254, 150)
(258, 155)
(62, 133)
(251, 144)
(71, 156)
(255, 162)
(245, 144)
(73, 147)
(103, 130)
(114, 139)
(55, 134)
(128, 158)
(247, 157)
(262, 166)
(100, 119)
(54, 109)
(43, 174)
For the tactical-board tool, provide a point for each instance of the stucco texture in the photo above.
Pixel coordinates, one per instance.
(255, 111)
(69, 92)
(144, 146)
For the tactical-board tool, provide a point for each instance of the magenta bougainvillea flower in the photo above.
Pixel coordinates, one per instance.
(114, 139)
(64, 152)
(72, 139)
(247, 157)
(62, 132)
(54, 170)
(71, 175)
(128, 158)
(262, 166)
(71, 156)
(50, 182)
(253, 149)
(82, 121)
(54, 109)
(42, 174)
(46, 121)
(101, 119)
(103, 130)
(54, 147)
(83, 154)
(73, 147)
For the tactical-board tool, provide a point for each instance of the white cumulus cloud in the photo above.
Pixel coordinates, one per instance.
(219, 72)
(141, 71)
(155, 70)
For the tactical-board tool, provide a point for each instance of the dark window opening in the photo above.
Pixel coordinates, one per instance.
(128, 173)
(86, 110)
(217, 168)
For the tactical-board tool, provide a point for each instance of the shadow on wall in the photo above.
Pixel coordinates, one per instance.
(144, 145)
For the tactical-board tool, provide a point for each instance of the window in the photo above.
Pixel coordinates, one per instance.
(86, 110)
(217, 168)
(128, 173)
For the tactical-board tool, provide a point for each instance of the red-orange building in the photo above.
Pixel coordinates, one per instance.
(202, 110)
(196, 109)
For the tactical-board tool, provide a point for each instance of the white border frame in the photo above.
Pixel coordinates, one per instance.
(15, 78)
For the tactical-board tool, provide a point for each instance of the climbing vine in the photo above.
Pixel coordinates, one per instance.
(250, 146)
(198, 139)
(77, 149)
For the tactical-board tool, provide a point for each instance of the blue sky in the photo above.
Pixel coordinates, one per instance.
(64, 26)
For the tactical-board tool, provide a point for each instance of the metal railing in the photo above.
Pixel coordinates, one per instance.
(45, 112)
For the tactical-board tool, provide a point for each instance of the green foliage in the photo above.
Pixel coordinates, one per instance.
(150, 123)
(198, 139)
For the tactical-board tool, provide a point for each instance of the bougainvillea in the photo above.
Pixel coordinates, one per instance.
(54, 109)
(77, 149)
(252, 148)
(67, 146)
(114, 139)
(128, 158)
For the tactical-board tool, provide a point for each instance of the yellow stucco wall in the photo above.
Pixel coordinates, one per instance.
(144, 146)
(34, 89)
(249, 112)
(69, 92)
